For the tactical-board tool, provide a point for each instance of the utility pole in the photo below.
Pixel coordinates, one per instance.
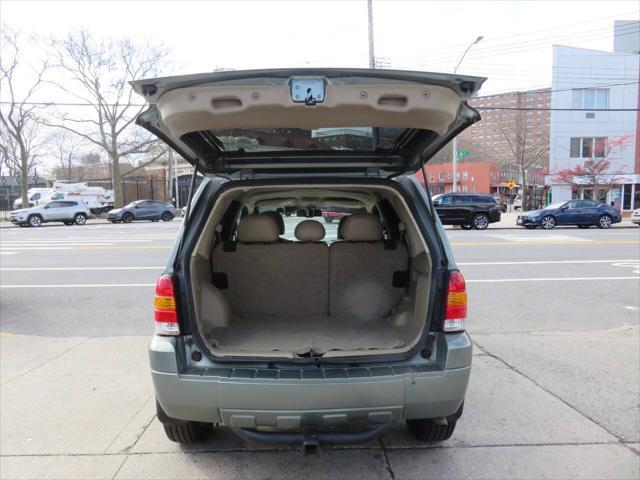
(455, 139)
(372, 56)
(375, 131)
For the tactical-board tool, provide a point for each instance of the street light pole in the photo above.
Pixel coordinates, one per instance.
(455, 139)
(375, 132)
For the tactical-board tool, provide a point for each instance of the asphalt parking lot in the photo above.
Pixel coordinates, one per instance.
(555, 388)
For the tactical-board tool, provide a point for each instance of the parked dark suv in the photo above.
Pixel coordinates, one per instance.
(313, 339)
(469, 210)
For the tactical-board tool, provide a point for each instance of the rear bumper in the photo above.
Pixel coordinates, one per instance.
(294, 398)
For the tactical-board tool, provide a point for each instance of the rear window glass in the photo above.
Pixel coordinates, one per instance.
(282, 139)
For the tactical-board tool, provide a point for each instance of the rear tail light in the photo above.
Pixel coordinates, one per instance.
(164, 311)
(456, 308)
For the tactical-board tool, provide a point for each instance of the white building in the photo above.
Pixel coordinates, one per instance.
(596, 87)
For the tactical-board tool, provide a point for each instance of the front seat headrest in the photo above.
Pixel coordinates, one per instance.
(362, 227)
(309, 231)
(258, 228)
(279, 220)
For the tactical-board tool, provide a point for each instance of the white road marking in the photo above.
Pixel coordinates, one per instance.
(83, 285)
(547, 279)
(541, 238)
(7, 253)
(46, 269)
(35, 248)
(542, 262)
(630, 307)
(633, 264)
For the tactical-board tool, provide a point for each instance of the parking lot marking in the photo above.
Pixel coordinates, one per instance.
(547, 279)
(542, 262)
(45, 269)
(82, 285)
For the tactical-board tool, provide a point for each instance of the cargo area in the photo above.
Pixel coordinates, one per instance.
(310, 271)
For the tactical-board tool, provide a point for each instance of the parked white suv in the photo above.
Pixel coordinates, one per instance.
(66, 211)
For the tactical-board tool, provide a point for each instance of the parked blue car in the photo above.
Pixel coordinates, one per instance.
(153, 210)
(583, 213)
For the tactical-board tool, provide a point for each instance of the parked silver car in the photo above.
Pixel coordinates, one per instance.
(66, 211)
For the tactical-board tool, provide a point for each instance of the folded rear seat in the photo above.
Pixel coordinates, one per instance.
(262, 276)
(367, 275)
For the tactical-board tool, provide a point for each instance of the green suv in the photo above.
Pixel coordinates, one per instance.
(285, 329)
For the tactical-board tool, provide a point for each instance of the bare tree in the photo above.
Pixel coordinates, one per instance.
(19, 123)
(527, 151)
(65, 148)
(99, 72)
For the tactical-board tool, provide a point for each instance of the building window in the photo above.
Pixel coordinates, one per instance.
(465, 175)
(464, 188)
(441, 176)
(587, 147)
(590, 98)
(448, 176)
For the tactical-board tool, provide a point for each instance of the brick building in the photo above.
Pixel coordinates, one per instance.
(481, 177)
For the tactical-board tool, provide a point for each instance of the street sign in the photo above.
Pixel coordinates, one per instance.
(511, 184)
(463, 153)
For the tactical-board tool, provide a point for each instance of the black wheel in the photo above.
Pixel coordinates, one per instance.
(427, 430)
(480, 221)
(187, 432)
(605, 222)
(466, 227)
(24, 225)
(35, 220)
(328, 219)
(155, 220)
(68, 222)
(584, 226)
(530, 227)
(548, 222)
(80, 219)
(127, 217)
(166, 217)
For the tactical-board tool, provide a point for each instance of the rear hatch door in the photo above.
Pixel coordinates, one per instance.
(308, 121)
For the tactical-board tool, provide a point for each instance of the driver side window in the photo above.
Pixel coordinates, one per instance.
(447, 200)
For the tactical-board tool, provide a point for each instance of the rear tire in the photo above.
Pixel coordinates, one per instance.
(480, 221)
(466, 227)
(328, 219)
(584, 226)
(166, 217)
(530, 227)
(68, 222)
(187, 432)
(604, 222)
(426, 430)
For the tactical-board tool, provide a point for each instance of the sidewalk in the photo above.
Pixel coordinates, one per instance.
(85, 408)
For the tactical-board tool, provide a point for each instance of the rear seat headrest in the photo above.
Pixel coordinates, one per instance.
(362, 227)
(309, 231)
(340, 225)
(278, 218)
(258, 228)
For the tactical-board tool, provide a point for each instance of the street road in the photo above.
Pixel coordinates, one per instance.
(555, 317)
